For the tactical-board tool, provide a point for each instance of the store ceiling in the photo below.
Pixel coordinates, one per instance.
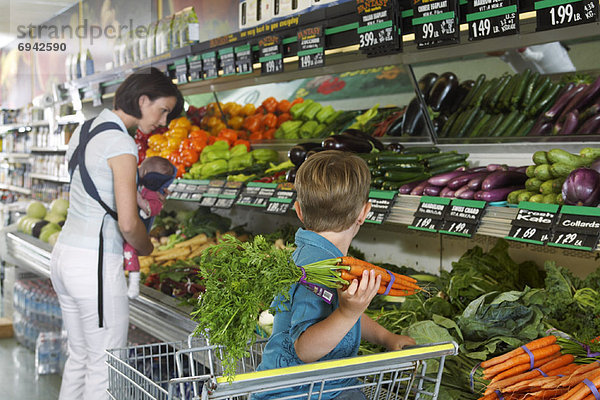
(14, 13)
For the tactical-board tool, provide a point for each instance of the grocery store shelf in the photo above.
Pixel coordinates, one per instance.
(153, 312)
(285, 145)
(69, 119)
(25, 126)
(56, 149)
(17, 189)
(14, 156)
(50, 178)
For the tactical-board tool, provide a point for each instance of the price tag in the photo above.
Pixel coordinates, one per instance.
(533, 223)
(271, 55)
(377, 26)
(195, 67)
(492, 18)
(243, 59)
(256, 194)
(311, 48)
(227, 57)
(430, 214)
(209, 65)
(181, 70)
(382, 202)
(435, 22)
(282, 199)
(187, 189)
(462, 218)
(577, 228)
(229, 194)
(552, 14)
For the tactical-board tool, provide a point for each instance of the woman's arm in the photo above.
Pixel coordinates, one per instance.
(124, 168)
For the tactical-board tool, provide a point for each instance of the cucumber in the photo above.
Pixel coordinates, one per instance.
(513, 127)
(493, 125)
(400, 176)
(512, 196)
(525, 128)
(509, 119)
(397, 158)
(530, 172)
(477, 129)
(468, 122)
(533, 185)
(540, 157)
(524, 196)
(560, 170)
(535, 78)
(519, 91)
(495, 94)
(421, 150)
(437, 162)
(543, 173)
(536, 198)
(551, 186)
(478, 83)
(383, 168)
(447, 168)
(561, 156)
(550, 198)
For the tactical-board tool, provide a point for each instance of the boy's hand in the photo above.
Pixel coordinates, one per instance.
(355, 300)
(398, 342)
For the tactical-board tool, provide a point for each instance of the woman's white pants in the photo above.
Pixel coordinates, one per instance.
(74, 274)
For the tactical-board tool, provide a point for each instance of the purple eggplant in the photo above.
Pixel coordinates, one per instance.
(496, 167)
(518, 169)
(290, 176)
(499, 179)
(543, 129)
(476, 169)
(442, 91)
(498, 194)
(582, 188)
(446, 192)
(407, 188)
(582, 99)
(357, 133)
(462, 180)
(443, 179)
(590, 111)
(314, 151)
(451, 106)
(562, 102)
(570, 124)
(460, 190)
(590, 126)
(347, 143)
(432, 190)
(426, 83)
(475, 183)
(466, 194)
(395, 147)
(418, 190)
(297, 153)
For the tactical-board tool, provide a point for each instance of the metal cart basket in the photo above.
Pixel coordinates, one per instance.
(192, 370)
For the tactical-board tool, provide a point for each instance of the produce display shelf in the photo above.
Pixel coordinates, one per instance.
(59, 179)
(55, 149)
(17, 189)
(152, 312)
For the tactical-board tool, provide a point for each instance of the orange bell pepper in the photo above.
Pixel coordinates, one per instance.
(242, 141)
(212, 139)
(228, 134)
(255, 136)
(270, 104)
(270, 134)
(284, 106)
(283, 117)
(253, 123)
(199, 134)
(198, 144)
(296, 101)
(270, 120)
(189, 157)
(180, 170)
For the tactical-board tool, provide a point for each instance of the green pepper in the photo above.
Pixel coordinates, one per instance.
(311, 111)
(324, 114)
(240, 177)
(307, 130)
(213, 168)
(280, 167)
(240, 162)
(289, 128)
(213, 155)
(195, 170)
(365, 117)
(238, 150)
(320, 130)
(297, 109)
(219, 145)
(333, 117)
(265, 155)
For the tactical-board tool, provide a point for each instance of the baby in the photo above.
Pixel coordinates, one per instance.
(155, 174)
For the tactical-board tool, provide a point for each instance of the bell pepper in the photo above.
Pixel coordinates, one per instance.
(284, 106)
(244, 142)
(296, 101)
(265, 155)
(283, 117)
(331, 119)
(213, 168)
(253, 123)
(240, 162)
(236, 122)
(307, 130)
(238, 150)
(240, 178)
(311, 111)
(290, 129)
(248, 109)
(195, 171)
(212, 155)
(270, 104)
(270, 120)
(320, 130)
(256, 136)
(324, 113)
(220, 145)
(270, 134)
(297, 109)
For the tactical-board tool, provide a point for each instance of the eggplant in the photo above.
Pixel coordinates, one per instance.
(395, 147)
(439, 122)
(467, 194)
(498, 194)
(582, 188)
(499, 179)
(497, 167)
(407, 188)
(541, 129)
(426, 83)
(476, 169)
(590, 111)
(290, 176)
(395, 128)
(314, 151)
(441, 92)
(443, 179)
(357, 133)
(582, 99)
(519, 169)
(413, 122)
(418, 190)
(570, 124)
(432, 190)
(460, 94)
(462, 180)
(561, 104)
(475, 183)
(590, 126)
(347, 143)
(297, 153)
(446, 192)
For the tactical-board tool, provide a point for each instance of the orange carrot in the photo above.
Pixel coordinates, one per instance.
(536, 344)
(546, 394)
(522, 359)
(347, 275)
(357, 270)
(351, 262)
(491, 396)
(395, 286)
(581, 390)
(566, 370)
(533, 374)
(576, 378)
(517, 369)
(396, 292)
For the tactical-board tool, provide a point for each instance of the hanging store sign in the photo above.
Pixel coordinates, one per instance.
(271, 55)
(243, 59)
(553, 14)
(435, 22)
(492, 18)
(311, 44)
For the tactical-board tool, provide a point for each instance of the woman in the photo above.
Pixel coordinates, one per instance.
(87, 261)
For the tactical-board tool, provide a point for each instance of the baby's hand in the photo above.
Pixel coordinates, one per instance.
(398, 342)
(143, 204)
(357, 297)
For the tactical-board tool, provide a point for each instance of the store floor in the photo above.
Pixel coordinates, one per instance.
(17, 375)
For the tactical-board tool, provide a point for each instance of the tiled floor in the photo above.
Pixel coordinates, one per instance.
(18, 380)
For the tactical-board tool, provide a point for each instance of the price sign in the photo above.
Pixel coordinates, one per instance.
(181, 70)
(492, 18)
(256, 194)
(195, 67)
(243, 59)
(187, 189)
(310, 48)
(227, 57)
(578, 228)
(271, 55)
(462, 218)
(382, 202)
(282, 199)
(229, 194)
(209, 65)
(435, 22)
(533, 223)
(552, 14)
(377, 26)
(430, 214)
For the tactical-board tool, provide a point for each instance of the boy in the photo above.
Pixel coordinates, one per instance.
(333, 189)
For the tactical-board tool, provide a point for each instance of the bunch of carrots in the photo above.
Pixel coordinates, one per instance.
(554, 375)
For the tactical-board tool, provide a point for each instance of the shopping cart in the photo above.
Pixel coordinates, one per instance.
(192, 370)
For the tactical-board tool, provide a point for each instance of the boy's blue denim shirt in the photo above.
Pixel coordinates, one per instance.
(303, 310)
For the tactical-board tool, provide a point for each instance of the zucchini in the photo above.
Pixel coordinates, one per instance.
(399, 176)
(420, 150)
(543, 173)
(525, 196)
(493, 124)
(513, 127)
(425, 157)
(504, 102)
(468, 122)
(448, 125)
(540, 157)
(545, 102)
(520, 88)
(561, 156)
(537, 94)
(509, 119)
(478, 83)
(383, 168)
(530, 172)
(525, 128)
(447, 168)
(535, 78)
(512, 196)
(533, 185)
(536, 198)
(378, 181)
(560, 170)
(486, 88)
(498, 90)
(480, 124)
(397, 158)
(459, 123)
(453, 158)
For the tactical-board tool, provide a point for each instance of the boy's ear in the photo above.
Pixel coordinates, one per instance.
(298, 211)
(364, 212)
